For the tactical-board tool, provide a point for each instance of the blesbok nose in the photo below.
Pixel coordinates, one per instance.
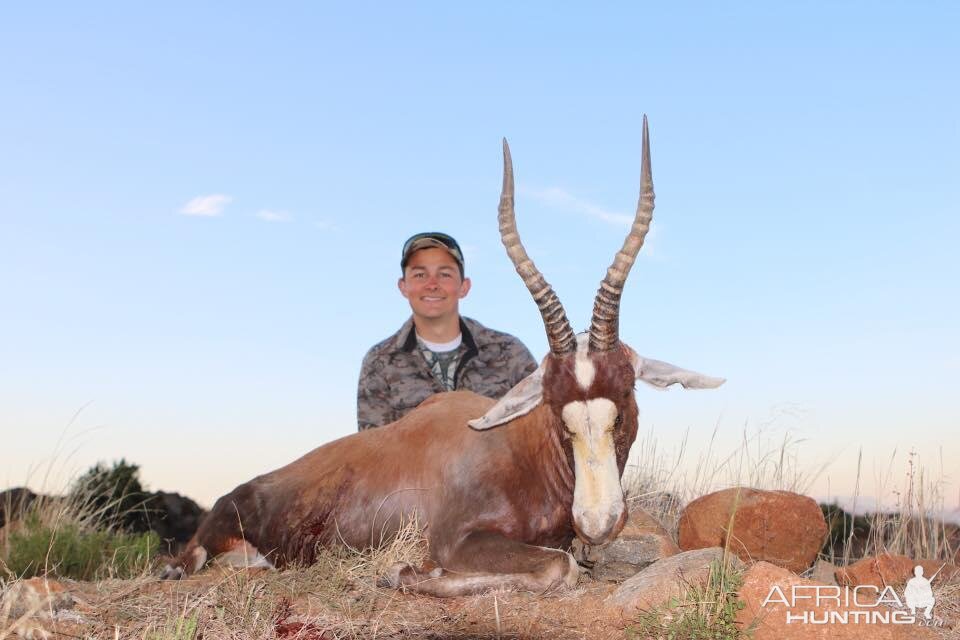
(600, 526)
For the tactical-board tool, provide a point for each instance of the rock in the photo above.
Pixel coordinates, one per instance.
(823, 572)
(771, 619)
(642, 542)
(886, 569)
(36, 596)
(665, 579)
(784, 528)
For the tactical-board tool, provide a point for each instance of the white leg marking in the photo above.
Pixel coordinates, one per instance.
(244, 556)
(199, 558)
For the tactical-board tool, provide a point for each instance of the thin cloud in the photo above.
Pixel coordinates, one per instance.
(268, 215)
(557, 197)
(206, 206)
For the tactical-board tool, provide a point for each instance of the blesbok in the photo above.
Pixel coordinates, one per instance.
(499, 498)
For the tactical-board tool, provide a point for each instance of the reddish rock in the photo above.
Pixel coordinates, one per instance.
(36, 596)
(664, 579)
(642, 542)
(784, 528)
(823, 572)
(886, 569)
(770, 620)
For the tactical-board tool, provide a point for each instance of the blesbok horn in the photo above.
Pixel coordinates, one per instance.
(559, 334)
(605, 326)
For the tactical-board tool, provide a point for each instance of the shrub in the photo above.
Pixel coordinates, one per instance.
(69, 549)
(114, 496)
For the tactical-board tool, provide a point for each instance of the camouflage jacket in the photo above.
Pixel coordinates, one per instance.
(394, 377)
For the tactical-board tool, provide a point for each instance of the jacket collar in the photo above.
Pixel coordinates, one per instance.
(407, 336)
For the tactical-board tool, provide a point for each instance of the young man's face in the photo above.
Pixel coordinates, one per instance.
(431, 282)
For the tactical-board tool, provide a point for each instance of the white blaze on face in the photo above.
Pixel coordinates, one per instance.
(584, 369)
(597, 495)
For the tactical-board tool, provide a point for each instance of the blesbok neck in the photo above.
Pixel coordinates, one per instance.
(539, 437)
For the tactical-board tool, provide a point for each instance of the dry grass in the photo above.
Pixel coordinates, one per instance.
(915, 527)
(662, 483)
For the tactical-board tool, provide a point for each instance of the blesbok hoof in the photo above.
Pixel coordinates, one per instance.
(392, 579)
(171, 572)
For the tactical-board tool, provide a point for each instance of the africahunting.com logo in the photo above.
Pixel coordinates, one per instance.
(863, 604)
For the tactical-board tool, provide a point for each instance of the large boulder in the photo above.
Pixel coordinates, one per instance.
(642, 542)
(775, 614)
(665, 579)
(887, 569)
(784, 528)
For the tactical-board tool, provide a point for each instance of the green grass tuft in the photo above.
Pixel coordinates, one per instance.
(178, 627)
(70, 550)
(705, 612)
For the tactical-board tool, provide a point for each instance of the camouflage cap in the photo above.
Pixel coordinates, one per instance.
(431, 239)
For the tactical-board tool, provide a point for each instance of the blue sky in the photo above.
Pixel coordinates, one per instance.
(803, 246)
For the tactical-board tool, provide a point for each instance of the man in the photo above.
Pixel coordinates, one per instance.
(436, 349)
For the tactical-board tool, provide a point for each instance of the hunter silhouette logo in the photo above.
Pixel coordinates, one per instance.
(919, 594)
(862, 604)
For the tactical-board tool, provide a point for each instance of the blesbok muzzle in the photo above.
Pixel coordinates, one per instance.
(599, 510)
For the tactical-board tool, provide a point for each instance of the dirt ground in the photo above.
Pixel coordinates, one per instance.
(325, 603)
(291, 604)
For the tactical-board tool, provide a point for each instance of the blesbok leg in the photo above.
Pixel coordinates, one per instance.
(222, 533)
(485, 561)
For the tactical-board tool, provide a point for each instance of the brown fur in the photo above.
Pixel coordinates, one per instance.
(487, 498)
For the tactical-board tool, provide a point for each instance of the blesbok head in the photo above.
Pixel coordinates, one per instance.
(587, 381)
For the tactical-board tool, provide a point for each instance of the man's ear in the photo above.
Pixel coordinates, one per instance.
(402, 285)
(465, 287)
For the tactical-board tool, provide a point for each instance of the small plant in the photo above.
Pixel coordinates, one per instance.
(181, 627)
(704, 612)
(69, 549)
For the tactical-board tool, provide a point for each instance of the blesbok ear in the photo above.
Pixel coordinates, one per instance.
(520, 400)
(663, 374)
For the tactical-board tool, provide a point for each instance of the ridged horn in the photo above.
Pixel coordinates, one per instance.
(605, 326)
(559, 334)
